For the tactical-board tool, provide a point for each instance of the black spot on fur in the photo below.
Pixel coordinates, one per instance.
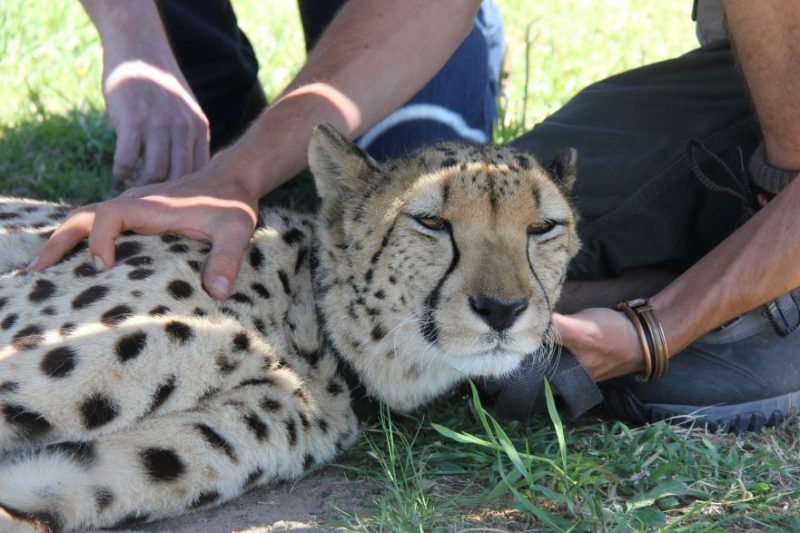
(255, 381)
(230, 312)
(291, 431)
(205, 498)
(3, 302)
(8, 321)
(140, 274)
(179, 289)
(252, 478)
(131, 346)
(225, 365)
(292, 236)
(85, 270)
(178, 331)
(260, 326)
(27, 338)
(241, 342)
(162, 464)
(49, 311)
(198, 312)
(449, 162)
(260, 290)
(284, 282)
(162, 394)
(58, 362)
(160, 310)
(67, 329)
(368, 276)
(179, 248)
(523, 161)
(302, 253)
(216, 440)
(257, 426)
(8, 216)
(29, 423)
(256, 257)
(194, 265)
(81, 452)
(334, 388)
(127, 249)
(169, 238)
(42, 290)
(241, 298)
(378, 333)
(89, 296)
(269, 405)
(322, 425)
(103, 498)
(98, 410)
(141, 260)
(304, 420)
(8, 386)
(115, 316)
(380, 294)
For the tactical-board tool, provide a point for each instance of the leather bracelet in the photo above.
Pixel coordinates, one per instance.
(647, 373)
(654, 342)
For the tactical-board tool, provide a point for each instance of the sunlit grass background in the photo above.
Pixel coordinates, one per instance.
(444, 469)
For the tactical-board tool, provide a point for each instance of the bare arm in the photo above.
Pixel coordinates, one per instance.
(151, 106)
(374, 56)
(760, 260)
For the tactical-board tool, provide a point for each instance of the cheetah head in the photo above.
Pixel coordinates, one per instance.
(439, 266)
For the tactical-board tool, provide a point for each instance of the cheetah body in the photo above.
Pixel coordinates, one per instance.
(130, 394)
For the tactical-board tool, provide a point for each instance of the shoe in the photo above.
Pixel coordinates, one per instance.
(744, 376)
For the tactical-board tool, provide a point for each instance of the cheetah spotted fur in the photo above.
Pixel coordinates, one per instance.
(131, 395)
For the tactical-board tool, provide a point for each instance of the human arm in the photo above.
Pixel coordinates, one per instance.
(756, 263)
(373, 57)
(152, 109)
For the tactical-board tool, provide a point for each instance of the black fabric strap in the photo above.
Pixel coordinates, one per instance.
(523, 393)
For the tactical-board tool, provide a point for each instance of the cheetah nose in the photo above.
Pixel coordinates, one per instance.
(499, 314)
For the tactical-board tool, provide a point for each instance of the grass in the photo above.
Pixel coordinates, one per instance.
(449, 467)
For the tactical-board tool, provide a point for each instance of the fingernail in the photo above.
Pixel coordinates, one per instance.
(98, 263)
(221, 286)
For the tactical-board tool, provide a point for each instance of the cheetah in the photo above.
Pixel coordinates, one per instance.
(130, 395)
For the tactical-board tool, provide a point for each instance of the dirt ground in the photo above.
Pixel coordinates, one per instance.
(307, 505)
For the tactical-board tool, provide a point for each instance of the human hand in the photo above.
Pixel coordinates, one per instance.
(603, 341)
(199, 206)
(162, 133)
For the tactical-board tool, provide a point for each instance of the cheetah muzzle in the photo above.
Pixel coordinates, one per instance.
(131, 395)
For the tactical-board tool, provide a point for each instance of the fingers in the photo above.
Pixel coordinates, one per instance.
(108, 224)
(126, 154)
(181, 155)
(156, 158)
(201, 151)
(222, 265)
(64, 239)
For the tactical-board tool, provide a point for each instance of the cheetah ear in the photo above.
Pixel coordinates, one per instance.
(336, 163)
(563, 168)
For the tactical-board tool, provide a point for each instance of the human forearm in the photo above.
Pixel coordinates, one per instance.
(759, 261)
(754, 265)
(373, 57)
(130, 30)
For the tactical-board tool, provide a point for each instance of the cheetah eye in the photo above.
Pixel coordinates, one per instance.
(541, 228)
(431, 222)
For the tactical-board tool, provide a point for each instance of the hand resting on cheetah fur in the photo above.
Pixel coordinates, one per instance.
(131, 395)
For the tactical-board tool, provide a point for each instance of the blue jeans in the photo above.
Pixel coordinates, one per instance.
(221, 68)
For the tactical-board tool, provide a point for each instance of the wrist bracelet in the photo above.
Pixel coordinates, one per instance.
(651, 336)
